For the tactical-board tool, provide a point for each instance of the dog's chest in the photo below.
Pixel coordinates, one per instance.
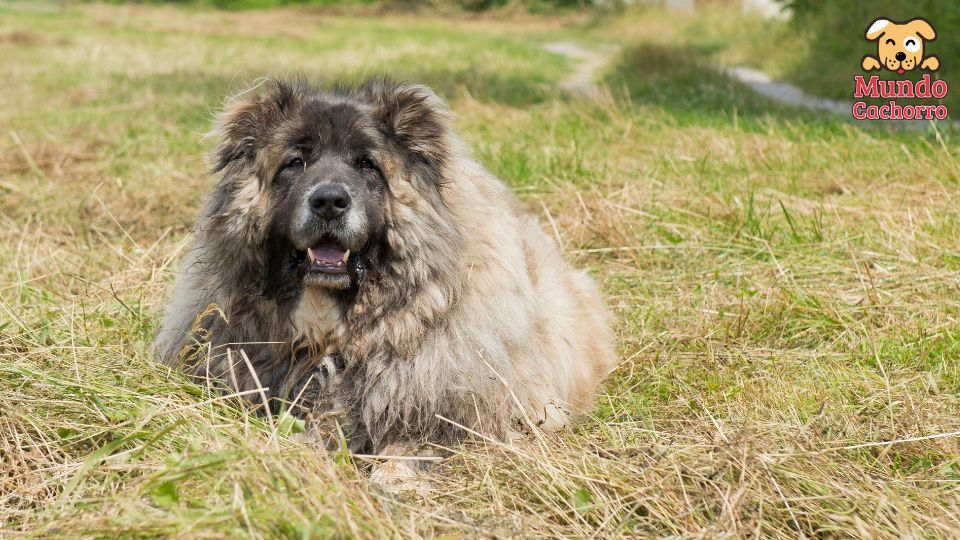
(318, 322)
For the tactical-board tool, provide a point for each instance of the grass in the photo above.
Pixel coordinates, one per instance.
(784, 285)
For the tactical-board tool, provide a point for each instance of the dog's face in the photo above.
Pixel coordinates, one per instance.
(329, 187)
(900, 45)
(309, 175)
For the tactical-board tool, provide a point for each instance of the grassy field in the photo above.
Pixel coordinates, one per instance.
(785, 287)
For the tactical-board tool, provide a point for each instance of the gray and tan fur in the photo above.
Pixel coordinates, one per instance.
(453, 306)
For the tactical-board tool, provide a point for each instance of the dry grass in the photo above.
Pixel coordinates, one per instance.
(785, 288)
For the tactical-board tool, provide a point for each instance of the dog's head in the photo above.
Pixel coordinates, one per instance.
(309, 177)
(900, 45)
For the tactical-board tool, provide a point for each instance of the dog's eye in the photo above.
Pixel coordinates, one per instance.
(890, 42)
(911, 44)
(364, 163)
(294, 163)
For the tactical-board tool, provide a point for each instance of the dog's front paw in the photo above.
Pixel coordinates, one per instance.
(313, 384)
(870, 63)
(329, 370)
(405, 469)
(931, 63)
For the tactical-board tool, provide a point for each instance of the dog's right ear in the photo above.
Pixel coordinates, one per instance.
(247, 119)
(877, 28)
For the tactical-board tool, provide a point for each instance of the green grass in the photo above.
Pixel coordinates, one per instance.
(784, 286)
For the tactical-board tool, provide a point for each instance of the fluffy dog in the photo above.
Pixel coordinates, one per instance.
(356, 264)
(900, 46)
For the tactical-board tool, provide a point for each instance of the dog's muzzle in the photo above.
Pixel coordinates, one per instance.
(330, 230)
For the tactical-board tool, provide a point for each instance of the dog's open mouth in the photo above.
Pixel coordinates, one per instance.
(327, 265)
(328, 257)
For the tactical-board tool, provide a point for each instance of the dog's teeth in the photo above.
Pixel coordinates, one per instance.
(346, 256)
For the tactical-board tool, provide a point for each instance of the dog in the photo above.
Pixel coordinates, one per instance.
(355, 266)
(900, 46)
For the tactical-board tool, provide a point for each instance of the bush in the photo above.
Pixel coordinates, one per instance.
(466, 5)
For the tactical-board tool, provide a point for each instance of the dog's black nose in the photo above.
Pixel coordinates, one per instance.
(901, 57)
(329, 201)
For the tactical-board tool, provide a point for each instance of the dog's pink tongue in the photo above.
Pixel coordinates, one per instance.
(327, 253)
(900, 71)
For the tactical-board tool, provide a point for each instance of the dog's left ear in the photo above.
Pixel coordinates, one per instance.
(415, 117)
(922, 28)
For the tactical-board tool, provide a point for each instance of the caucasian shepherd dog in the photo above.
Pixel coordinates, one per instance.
(358, 266)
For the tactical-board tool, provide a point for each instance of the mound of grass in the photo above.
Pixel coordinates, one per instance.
(784, 289)
(683, 81)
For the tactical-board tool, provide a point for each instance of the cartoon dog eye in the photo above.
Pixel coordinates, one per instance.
(890, 42)
(911, 44)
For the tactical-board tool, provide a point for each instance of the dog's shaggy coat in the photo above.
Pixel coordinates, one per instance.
(459, 311)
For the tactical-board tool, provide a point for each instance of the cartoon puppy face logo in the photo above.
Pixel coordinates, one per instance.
(900, 46)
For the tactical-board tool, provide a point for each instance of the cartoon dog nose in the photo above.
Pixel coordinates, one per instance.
(329, 201)
(901, 57)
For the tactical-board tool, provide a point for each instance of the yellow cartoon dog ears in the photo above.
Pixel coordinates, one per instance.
(876, 29)
(919, 26)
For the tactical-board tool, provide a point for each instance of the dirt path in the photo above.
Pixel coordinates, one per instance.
(787, 93)
(588, 63)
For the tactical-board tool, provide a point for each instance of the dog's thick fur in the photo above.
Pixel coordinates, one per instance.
(459, 309)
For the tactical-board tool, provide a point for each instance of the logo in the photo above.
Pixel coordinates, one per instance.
(901, 48)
